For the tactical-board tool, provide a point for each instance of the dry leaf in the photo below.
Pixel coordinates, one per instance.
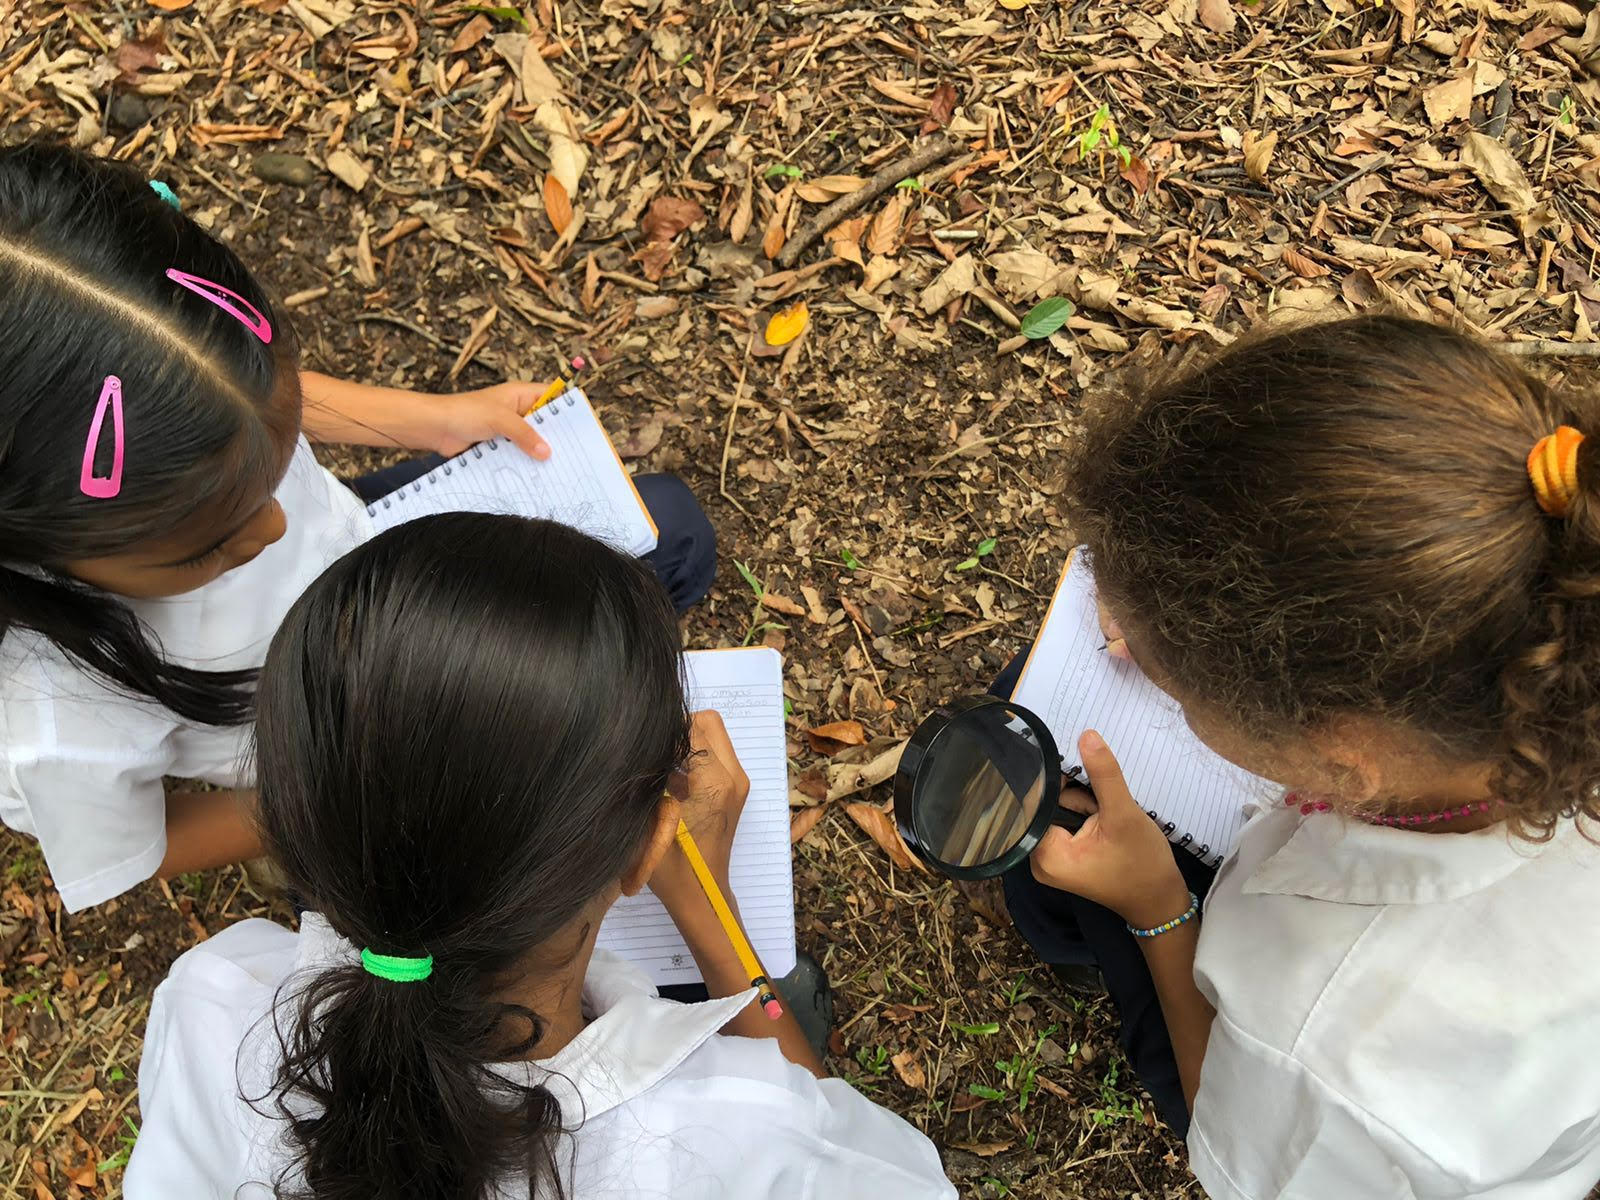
(835, 736)
(539, 82)
(1302, 266)
(669, 216)
(941, 108)
(957, 279)
(776, 234)
(844, 239)
(879, 826)
(171, 5)
(1448, 101)
(782, 328)
(568, 155)
(804, 821)
(910, 1071)
(828, 187)
(984, 1149)
(1503, 177)
(473, 32)
(846, 779)
(349, 169)
(878, 272)
(556, 205)
(775, 602)
(477, 338)
(1258, 154)
(1217, 15)
(883, 237)
(1013, 5)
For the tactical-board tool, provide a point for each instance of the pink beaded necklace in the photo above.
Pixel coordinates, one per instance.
(1292, 800)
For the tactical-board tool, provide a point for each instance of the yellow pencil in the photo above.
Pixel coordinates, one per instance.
(730, 924)
(550, 393)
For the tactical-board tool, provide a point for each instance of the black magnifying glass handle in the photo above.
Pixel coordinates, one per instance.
(1070, 819)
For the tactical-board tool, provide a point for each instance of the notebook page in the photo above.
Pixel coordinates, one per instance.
(1074, 685)
(582, 484)
(746, 687)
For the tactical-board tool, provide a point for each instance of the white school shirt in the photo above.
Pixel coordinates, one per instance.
(1400, 1015)
(658, 1103)
(81, 762)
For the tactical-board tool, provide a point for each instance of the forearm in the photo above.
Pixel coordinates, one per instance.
(725, 976)
(336, 410)
(209, 829)
(1170, 957)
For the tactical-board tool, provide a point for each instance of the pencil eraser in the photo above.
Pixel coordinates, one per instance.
(578, 363)
(773, 1009)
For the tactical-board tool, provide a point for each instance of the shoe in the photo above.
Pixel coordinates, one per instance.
(1079, 979)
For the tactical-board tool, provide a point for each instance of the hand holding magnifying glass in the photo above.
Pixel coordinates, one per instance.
(1119, 858)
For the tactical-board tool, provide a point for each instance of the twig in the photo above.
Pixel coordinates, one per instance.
(1377, 164)
(871, 190)
(1548, 348)
(727, 442)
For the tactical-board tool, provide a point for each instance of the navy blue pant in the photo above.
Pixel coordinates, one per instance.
(685, 557)
(1069, 930)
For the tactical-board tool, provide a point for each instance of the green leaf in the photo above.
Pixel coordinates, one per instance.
(788, 708)
(966, 564)
(909, 185)
(783, 170)
(1045, 317)
(750, 578)
(986, 1027)
(985, 1091)
(117, 1075)
(500, 13)
(850, 560)
(986, 547)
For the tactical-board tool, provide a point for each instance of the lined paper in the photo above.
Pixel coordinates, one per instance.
(746, 687)
(582, 484)
(1072, 684)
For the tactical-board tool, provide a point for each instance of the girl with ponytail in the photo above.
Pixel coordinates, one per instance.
(472, 739)
(159, 512)
(1364, 557)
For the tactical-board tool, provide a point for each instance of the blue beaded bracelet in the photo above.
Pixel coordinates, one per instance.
(1191, 914)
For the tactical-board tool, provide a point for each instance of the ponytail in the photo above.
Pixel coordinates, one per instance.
(103, 636)
(1551, 689)
(403, 1101)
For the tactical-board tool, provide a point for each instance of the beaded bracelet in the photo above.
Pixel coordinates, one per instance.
(1167, 927)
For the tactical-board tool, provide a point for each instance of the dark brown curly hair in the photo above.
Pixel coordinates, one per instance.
(1338, 519)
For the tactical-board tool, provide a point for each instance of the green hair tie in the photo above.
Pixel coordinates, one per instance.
(395, 968)
(166, 194)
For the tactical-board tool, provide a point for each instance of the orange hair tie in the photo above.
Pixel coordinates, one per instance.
(1553, 469)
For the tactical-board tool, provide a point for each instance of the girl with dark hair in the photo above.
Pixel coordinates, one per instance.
(159, 512)
(1365, 558)
(470, 738)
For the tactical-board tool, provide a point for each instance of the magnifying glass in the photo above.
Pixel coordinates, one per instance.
(978, 784)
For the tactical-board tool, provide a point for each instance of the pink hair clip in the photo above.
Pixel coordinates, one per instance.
(228, 300)
(109, 486)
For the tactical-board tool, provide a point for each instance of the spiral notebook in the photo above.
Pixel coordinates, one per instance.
(746, 687)
(1197, 797)
(582, 484)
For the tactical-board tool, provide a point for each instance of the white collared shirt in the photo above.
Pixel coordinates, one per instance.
(1400, 1015)
(669, 1107)
(81, 763)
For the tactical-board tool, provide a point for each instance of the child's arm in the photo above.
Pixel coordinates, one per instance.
(717, 788)
(335, 410)
(1121, 859)
(209, 829)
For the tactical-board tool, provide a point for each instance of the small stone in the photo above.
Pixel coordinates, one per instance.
(285, 168)
(129, 111)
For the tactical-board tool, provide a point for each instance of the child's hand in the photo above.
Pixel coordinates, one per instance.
(717, 788)
(1116, 643)
(467, 418)
(1119, 858)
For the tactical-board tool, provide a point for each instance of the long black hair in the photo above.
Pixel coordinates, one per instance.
(84, 249)
(465, 729)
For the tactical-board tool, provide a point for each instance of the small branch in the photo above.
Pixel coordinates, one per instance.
(1547, 348)
(841, 208)
(727, 442)
(1377, 164)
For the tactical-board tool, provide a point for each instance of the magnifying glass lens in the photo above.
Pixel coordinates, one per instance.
(980, 788)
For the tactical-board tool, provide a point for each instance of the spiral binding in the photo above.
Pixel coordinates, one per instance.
(466, 458)
(1203, 851)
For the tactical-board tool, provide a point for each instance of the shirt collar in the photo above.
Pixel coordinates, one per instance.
(1330, 857)
(634, 1040)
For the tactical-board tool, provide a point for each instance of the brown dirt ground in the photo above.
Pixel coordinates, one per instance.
(1279, 156)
